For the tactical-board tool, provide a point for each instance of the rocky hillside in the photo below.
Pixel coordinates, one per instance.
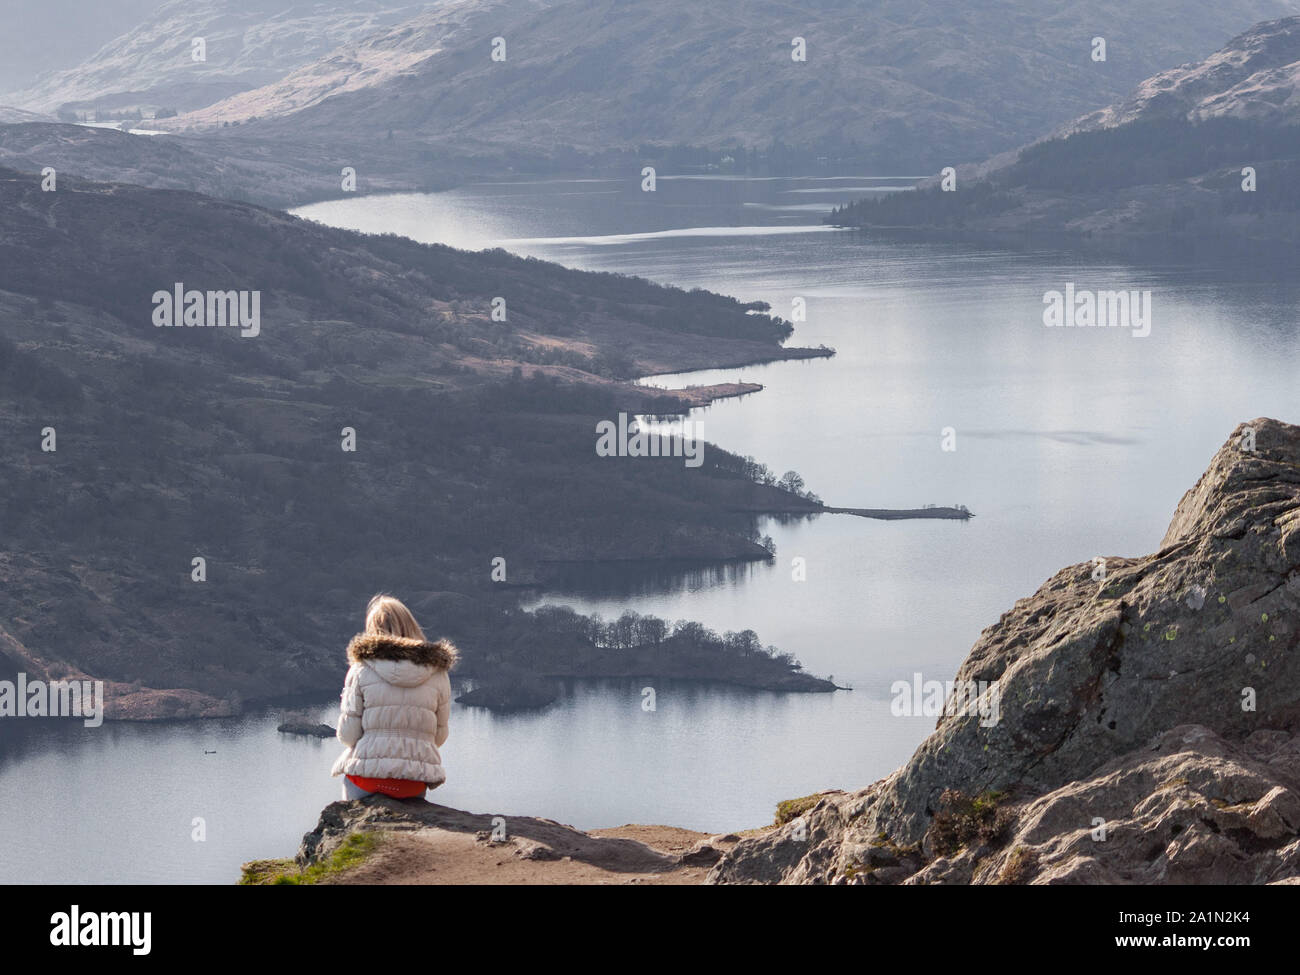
(1149, 733)
(248, 43)
(1197, 162)
(896, 83)
(1253, 77)
(372, 61)
(1148, 720)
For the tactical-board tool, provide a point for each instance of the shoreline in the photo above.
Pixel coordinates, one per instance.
(254, 709)
(698, 396)
(795, 353)
(901, 514)
(706, 394)
(161, 694)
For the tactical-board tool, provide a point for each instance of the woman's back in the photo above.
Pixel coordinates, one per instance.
(395, 707)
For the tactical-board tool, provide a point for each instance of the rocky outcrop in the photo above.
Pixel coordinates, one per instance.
(1158, 695)
(416, 842)
(529, 838)
(1191, 808)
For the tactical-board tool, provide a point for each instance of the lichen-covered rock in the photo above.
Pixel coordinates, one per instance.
(1091, 669)
(1191, 808)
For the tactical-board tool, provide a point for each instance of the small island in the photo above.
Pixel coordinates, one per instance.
(562, 644)
(510, 692)
(308, 728)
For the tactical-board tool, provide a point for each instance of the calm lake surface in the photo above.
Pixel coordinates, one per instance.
(1070, 444)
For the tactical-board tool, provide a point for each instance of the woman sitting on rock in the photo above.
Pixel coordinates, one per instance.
(394, 708)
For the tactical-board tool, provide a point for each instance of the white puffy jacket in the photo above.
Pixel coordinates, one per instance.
(394, 708)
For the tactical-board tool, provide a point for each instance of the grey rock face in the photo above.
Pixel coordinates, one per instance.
(1092, 669)
(1189, 809)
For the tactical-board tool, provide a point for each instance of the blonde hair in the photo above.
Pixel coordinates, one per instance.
(389, 616)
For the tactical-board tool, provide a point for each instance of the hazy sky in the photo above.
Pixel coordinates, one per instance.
(35, 37)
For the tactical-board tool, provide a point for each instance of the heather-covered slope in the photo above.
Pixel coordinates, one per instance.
(475, 440)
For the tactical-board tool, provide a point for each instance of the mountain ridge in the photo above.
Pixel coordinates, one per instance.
(614, 76)
(247, 43)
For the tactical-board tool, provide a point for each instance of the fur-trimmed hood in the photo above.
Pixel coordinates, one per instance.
(394, 708)
(371, 647)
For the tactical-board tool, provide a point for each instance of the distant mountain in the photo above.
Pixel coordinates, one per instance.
(248, 43)
(896, 83)
(56, 34)
(1198, 162)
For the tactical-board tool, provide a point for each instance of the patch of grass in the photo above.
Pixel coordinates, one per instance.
(350, 853)
(258, 872)
(791, 809)
(962, 819)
